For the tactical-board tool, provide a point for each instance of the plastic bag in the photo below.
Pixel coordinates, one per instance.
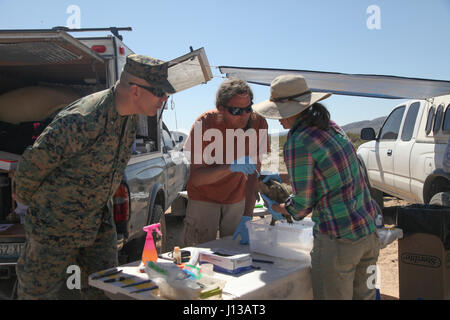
(388, 235)
(173, 282)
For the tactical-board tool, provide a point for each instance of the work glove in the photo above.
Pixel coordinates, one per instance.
(242, 230)
(275, 177)
(275, 214)
(244, 164)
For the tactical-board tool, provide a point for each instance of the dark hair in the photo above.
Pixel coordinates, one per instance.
(317, 116)
(231, 87)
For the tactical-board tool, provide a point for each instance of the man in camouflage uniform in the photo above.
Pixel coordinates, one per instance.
(70, 174)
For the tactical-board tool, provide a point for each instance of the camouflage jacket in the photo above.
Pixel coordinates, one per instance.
(73, 169)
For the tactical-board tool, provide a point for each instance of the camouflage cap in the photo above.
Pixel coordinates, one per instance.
(152, 70)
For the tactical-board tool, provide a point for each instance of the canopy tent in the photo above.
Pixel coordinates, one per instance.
(364, 85)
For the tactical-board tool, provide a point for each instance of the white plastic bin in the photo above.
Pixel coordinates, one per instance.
(283, 240)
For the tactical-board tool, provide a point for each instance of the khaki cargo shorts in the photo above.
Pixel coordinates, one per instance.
(204, 219)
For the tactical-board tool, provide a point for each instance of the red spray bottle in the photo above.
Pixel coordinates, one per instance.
(149, 253)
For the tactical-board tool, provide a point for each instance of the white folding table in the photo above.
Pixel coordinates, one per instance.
(283, 279)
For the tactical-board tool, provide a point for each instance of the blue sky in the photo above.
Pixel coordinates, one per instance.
(328, 35)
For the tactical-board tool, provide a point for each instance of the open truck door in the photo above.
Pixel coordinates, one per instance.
(50, 56)
(39, 54)
(189, 70)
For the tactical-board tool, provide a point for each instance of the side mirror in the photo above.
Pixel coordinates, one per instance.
(368, 134)
(180, 139)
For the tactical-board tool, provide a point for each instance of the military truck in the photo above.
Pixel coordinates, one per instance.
(42, 71)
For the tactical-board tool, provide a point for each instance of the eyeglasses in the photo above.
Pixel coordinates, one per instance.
(236, 111)
(157, 92)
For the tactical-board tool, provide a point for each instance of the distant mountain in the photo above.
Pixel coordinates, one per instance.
(355, 127)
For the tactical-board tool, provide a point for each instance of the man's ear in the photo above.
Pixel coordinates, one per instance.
(134, 92)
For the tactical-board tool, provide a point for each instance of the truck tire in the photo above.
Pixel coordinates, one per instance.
(159, 216)
(441, 199)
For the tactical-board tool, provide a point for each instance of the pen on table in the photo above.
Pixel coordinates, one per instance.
(109, 273)
(136, 283)
(145, 289)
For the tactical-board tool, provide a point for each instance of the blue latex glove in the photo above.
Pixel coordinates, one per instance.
(242, 230)
(244, 164)
(275, 176)
(275, 214)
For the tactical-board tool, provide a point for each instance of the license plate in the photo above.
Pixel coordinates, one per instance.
(11, 250)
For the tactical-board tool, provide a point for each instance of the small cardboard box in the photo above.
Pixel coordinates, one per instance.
(229, 264)
(424, 268)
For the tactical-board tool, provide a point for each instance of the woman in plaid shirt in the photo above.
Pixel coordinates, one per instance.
(327, 181)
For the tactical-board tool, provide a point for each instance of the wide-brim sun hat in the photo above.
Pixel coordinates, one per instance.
(289, 95)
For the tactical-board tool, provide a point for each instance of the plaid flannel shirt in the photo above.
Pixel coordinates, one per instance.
(326, 180)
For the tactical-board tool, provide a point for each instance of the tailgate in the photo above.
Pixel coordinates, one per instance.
(52, 56)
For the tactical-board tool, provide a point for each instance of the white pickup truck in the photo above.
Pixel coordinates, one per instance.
(405, 159)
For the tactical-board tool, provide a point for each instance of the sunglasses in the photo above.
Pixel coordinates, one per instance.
(157, 92)
(236, 111)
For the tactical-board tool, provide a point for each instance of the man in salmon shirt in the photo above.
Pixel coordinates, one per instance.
(226, 146)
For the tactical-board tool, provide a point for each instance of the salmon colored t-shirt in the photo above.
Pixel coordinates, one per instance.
(212, 144)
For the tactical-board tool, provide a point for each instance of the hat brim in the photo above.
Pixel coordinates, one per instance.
(162, 84)
(281, 110)
(167, 87)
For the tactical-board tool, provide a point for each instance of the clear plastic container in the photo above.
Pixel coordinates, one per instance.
(173, 282)
(283, 240)
(388, 235)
